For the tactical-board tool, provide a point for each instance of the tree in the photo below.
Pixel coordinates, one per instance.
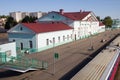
(28, 19)
(98, 17)
(108, 21)
(3, 16)
(25, 20)
(10, 23)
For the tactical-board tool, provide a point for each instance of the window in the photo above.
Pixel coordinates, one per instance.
(31, 46)
(13, 40)
(75, 37)
(53, 16)
(63, 38)
(59, 39)
(47, 41)
(71, 36)
(53, 40)
(21, 28)
(67, 37)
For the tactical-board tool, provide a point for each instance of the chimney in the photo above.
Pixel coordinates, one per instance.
(61, 11)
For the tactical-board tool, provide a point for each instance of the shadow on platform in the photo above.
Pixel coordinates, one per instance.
(9, 73)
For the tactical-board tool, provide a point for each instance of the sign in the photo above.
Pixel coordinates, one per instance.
(56, 55)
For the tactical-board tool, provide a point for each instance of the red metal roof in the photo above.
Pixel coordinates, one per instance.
(101, 24)
(46, 27)
(75, 15)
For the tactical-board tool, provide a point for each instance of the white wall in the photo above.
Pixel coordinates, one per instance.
(101, 29)
(50, 35)
(9, 49)
(85, 28)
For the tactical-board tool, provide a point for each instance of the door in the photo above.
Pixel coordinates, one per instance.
(31, 45)
(21, 46)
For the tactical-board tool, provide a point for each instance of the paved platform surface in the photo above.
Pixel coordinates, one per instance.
(99, 67)
(71, 54)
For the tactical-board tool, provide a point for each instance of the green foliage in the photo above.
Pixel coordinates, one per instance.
(98, 17)
(108, 21)
(28, 19)
(10, 23)
(3, 16)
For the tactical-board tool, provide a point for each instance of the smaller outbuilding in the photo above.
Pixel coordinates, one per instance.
(7, 51)
(101, 27)
(116, 23)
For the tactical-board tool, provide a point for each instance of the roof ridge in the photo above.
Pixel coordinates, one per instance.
(74, 15)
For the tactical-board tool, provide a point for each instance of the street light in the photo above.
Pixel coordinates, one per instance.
(55, 55)
(91, 45)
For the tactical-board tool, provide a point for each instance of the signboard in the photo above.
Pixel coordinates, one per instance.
(56, 55)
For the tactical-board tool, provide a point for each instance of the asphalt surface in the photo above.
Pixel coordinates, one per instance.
(70, 55)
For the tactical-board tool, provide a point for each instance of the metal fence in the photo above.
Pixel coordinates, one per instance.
(22, 62)
(2, 57)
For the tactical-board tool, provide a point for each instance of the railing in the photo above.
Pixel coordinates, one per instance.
(21, 62)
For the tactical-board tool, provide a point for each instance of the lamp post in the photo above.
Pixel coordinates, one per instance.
(90, 32)
(55, 55)
(91, 45)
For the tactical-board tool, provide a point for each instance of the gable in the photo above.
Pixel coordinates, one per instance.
(90, 17)
(20, 29)
(53, 16)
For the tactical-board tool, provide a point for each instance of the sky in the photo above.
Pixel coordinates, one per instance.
(100, 8)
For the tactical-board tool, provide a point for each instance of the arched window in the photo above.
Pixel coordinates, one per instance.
(59, 39)
(67, 37)
(53, 39)
(63, 38)
(47, 41)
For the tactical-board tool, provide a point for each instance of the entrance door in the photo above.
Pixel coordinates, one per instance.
(31, 45)
(21, 46)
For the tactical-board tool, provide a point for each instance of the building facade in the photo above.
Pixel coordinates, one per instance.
(36, 14)
(20, 15)
(84, 23)
(2, 22)
(16, 15)
(40, 36)
(55, 28)
(7, 50)
(116, 23)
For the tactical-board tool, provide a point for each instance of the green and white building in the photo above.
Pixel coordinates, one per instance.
(116, 23)
(7, 51)
(55, 28)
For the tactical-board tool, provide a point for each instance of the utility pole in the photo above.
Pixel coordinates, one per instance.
(91, 45)
(55, 55)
